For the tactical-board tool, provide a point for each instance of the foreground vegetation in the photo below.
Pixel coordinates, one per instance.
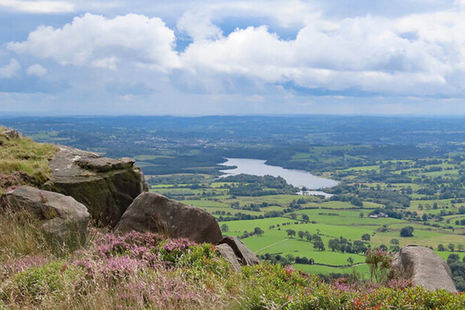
(149, 271)
(399, 185)
(333, 232)
(22, 161)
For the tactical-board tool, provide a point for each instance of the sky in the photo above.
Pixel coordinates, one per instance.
(192, 58)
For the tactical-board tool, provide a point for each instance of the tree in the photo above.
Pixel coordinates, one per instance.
(333, 244)
(305, 217)
(453, 258)
(308, 236)
(301, 234)
(319, 245)
(361, 214)
(290, 232)
(441, 247)
(258, 231)
(350, 260)
(460, 247)
(407, 231)
(451, 247)
(395, 241)
(224, 228)
(359, 247)
(366, 237)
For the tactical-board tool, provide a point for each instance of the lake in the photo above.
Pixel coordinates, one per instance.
(298, 178)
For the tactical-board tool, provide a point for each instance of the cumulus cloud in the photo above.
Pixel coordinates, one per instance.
(38, 7)
(11, 69)
(36, 70)
(198, 26)
(95, 41)
(418, 55)
(257, 51)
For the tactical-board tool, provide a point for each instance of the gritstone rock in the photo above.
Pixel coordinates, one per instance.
(242, 252)
(424, 267)
(105, 186)
(62, 218)
(156, 213)
(228, 254)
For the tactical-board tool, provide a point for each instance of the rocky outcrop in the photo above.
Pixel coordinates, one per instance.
(10, 134)
(62, 218)
(228, 254)
(105, 186)
(423, 267)
(156, 213)
(243, 255)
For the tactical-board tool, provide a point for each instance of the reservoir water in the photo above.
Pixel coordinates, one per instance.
(298, 178)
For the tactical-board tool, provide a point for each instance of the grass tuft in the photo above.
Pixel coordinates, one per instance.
(26, 157)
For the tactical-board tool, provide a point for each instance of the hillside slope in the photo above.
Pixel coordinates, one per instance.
(149, 271)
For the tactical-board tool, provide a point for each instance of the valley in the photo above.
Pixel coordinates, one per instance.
(393, 174)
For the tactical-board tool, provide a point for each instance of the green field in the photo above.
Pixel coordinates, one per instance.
(432, 216)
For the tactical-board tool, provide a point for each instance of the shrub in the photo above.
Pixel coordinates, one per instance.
(379, 262)
(407, 231)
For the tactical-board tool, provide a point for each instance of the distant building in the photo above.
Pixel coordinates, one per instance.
(375, 216)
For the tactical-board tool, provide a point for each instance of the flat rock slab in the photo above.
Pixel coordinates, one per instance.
(423, 267)
(62, 217)
(156, 213)
(242, 252)
(63, 164)
(105, 164)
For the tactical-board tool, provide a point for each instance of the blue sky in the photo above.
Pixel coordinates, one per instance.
(150, 57)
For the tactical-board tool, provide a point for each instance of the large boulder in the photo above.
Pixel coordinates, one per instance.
(156, 213)
(243, 255)
(62, 218)
(105, 186)
(423, 267)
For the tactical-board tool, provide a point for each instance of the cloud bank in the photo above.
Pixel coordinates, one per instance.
(285, 53)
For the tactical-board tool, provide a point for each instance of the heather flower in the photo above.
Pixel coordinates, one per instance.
(179, 245)
(399, 283)
(13, 179)
(22, 264)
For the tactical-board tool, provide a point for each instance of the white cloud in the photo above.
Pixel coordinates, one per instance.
(198, 26)
(38, 7)
(371, 54)
(281, 52)
(95, 41)
(36, 70)
(11, 69)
